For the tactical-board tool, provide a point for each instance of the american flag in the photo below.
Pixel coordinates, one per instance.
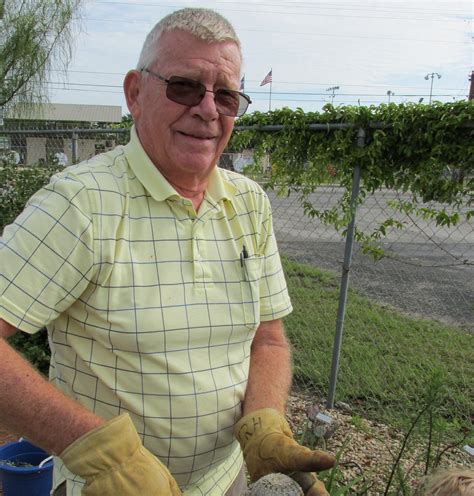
(267, 79)
(242, 83)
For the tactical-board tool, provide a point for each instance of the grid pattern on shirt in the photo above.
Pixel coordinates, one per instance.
(150, 308)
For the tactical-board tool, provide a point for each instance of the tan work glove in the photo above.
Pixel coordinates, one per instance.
(309, 483)
(113, 461)
(269, 447)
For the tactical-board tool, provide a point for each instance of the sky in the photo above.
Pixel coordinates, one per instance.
(369, 51)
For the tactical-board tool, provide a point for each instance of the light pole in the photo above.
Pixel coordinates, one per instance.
(432, 75)
(390, 93)
(333, 89)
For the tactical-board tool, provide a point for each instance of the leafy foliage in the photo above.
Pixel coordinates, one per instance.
(36, 36)
(425, 150)
(17, 184)
(34, 348)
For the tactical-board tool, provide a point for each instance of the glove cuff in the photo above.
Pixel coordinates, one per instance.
(102, 448)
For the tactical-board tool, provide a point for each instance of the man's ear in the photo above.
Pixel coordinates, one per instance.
(131, 88)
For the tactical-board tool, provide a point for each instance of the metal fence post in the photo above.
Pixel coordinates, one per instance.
(336, 352)
(75, 148)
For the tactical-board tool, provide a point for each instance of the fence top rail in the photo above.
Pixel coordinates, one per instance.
(280, 127)
(69, 132)
(328, 126)
(266, 128)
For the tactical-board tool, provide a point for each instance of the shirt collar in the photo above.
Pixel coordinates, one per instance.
(150, 177)
(219, 188)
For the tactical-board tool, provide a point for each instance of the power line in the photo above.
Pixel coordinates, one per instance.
(256, 92)
(88, 72)
(307, 83)
(83, 90)
(324, 35)
(340, 7)
(345, 6)
(85, 84)
(338, 35)
(147, 21)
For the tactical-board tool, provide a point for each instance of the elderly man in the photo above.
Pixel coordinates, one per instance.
(158, 277)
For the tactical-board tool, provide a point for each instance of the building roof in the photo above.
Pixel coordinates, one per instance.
(70, 112)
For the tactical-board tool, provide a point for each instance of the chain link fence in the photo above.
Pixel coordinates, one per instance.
(426, 279)
(428, 271)
(40, 147)
(407, 323)
(404, 313)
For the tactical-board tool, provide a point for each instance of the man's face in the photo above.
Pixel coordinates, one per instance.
(184, 142)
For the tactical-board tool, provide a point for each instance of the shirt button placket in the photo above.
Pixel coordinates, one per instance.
(197, 259)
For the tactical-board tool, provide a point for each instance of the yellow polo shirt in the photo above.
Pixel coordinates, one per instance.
(151, 308)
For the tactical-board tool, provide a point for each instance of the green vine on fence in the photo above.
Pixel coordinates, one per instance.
(424, 150)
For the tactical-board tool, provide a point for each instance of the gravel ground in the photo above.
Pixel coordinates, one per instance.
(371, 446)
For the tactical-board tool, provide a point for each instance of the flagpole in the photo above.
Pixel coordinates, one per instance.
(270, 102)
(268, 79)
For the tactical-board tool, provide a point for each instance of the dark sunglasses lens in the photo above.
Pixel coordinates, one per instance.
(185, 91)
(189, 92)
(228, 102)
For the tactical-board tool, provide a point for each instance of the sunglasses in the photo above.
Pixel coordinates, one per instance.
(190, 93)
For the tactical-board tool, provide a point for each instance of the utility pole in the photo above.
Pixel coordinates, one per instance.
(333, 89)
(432, 75)
(471, 90)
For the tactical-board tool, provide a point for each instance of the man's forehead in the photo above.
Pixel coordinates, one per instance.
(183, 54)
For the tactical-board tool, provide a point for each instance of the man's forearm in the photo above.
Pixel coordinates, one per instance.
(32, 407)
(270, 369)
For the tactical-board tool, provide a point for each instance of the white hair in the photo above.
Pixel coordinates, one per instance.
(455, 481)
(205, 24)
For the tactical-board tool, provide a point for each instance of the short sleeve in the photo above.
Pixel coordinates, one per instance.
(46, 255)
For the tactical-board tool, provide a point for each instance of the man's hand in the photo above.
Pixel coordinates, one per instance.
(309, 483)
(269, 447)
(113, 461)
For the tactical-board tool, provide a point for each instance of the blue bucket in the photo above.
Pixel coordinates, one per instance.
(34, 479)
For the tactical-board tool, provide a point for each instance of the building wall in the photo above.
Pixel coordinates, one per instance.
(35, 150)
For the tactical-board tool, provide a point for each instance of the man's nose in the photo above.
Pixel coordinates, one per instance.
(206, 108)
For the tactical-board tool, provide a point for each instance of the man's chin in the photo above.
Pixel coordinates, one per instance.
(198, 161)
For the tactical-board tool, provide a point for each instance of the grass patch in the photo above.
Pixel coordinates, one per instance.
(387, 360)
